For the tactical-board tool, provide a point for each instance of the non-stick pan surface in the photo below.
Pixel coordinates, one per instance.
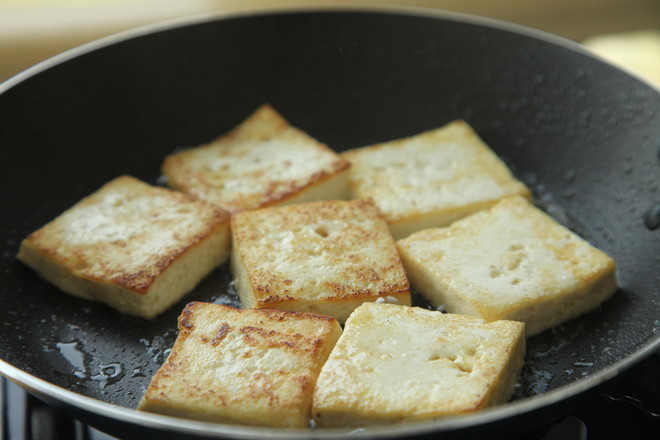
(584, 135)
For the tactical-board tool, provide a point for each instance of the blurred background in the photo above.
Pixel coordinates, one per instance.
(624, 31)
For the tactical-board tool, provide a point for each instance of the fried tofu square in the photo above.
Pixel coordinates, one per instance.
(431, 179)
(135, 247)
(396, 363)
(264, 161)
(512, 261)
(323, 257)
(254, 367)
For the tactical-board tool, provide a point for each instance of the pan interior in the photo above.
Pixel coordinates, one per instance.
(582, 134)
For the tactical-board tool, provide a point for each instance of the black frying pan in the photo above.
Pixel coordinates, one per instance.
(584, 135)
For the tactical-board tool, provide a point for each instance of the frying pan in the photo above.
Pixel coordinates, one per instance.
(582, 134)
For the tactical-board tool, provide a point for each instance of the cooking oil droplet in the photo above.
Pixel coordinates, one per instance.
(137, 372)
(583, 364)
(108, 374)
(75, 356)
(541, 383)
(158, 348)
(570, 175)
(652, 217)
(228, 298)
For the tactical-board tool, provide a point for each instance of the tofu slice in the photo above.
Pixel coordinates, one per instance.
(262, 162)
(136, 247)
(255, 367)
(396, 363)
(510, 262)
(431, 179)
(323, 257)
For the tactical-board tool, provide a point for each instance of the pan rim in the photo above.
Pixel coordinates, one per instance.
(204, 17)
(47, 390)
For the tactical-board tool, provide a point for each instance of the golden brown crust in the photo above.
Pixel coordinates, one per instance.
(244, 366)
(87, 259)
(262, 162)
(512, 261)
(123, 238)
(432, 178)
(445, 365)
(326, 257)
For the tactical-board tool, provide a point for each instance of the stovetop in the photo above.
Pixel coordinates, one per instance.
(627, 407)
